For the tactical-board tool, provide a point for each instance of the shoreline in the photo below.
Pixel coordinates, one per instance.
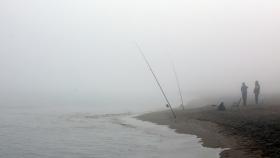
(243, 132)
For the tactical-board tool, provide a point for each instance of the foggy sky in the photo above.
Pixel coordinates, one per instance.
(82, 53)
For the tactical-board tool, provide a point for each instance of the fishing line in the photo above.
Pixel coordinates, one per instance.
(178, 85)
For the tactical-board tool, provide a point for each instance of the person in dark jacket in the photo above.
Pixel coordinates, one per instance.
(244, 89)
(257, 91)
(221, 107)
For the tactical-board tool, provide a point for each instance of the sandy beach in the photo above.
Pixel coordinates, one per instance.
(244, 132)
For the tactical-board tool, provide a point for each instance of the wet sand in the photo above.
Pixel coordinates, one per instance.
(245, 132)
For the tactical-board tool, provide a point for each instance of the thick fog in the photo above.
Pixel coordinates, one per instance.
(82, 54)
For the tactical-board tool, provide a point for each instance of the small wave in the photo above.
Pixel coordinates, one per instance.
(117, 119)
(127, 125)
(107, 115)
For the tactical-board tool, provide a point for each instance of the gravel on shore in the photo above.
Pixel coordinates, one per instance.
(249, 131)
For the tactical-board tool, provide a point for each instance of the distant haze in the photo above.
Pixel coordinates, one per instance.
(80, 54)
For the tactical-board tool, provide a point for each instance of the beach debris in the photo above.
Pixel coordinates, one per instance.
(236, 104)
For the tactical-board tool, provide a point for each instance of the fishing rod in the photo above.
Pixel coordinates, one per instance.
(157, 81)
(178, 85)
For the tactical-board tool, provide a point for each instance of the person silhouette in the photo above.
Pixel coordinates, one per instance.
(244, 89)
(257, 91)
(221, 107)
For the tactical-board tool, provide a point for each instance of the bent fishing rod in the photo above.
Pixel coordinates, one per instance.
(155, 77)
(178, 85)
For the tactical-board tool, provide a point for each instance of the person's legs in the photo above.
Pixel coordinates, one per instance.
(244, 97)
(257, 98)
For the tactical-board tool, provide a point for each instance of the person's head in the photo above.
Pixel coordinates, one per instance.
(243, 84)
(257, 83)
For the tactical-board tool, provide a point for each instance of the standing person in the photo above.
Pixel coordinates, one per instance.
(244, 93)
(257, 91)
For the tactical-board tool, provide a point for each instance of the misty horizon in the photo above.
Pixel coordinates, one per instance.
(82, 53)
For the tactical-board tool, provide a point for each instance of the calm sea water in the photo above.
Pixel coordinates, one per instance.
(28, 134)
